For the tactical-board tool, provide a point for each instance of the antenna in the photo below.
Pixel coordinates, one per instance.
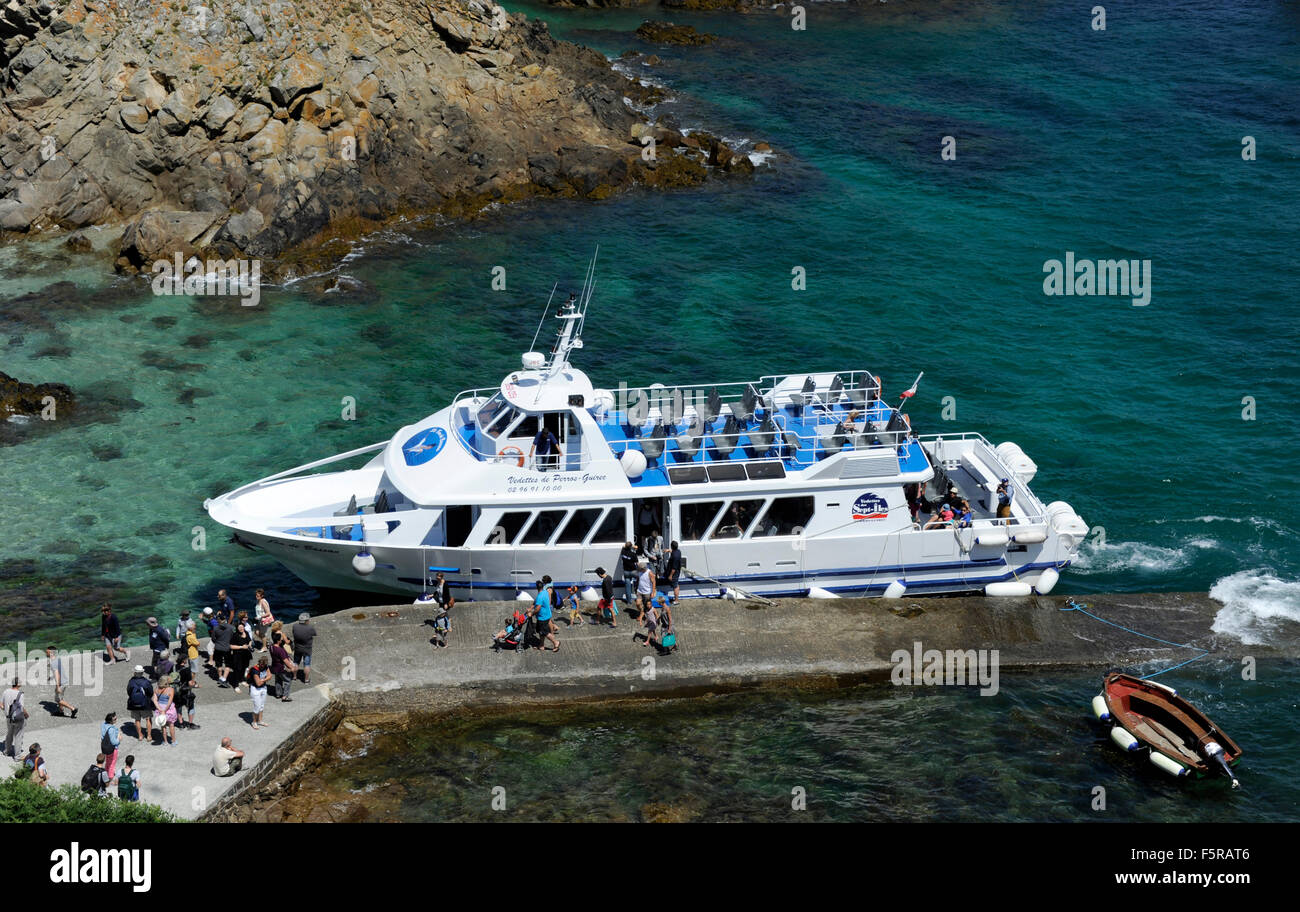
(545, 311)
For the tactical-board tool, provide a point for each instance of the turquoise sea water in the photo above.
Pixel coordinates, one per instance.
(871, 753)
(1123, 143)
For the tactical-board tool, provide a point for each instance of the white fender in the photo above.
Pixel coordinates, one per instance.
(1030, 536)
(589, 595)
(523, 597)
(1046, 581)
(818, 593)
(363, 563)
(895, 589)
(1124, 739)
(994, 538)
(1165, 687)
(1015, 459)
(633, 463)
(1099, 708)
(1172, 767)
(1009, 588)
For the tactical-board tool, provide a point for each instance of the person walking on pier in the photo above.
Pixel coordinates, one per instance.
(241, 652)
(128, 784)
(304, 634)
(645, 587)
(192, 650)
(35, 766)
(258, 679)
(673, 569)
(139, 702)
(111, 632)
(542, 610)
(283, 668)
(159, 641)
(264, 618)
(185, 697)
(58, 678)
(628, 560)
(110, 739)
(15, 718)
(606, 609)
(222, 635)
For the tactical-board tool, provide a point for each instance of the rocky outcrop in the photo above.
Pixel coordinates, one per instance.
(247, 129)
(30, 399)
(671, 33)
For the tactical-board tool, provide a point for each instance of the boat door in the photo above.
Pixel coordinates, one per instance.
(651, 516)
(571, 444)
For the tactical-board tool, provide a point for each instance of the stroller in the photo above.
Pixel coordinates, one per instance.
(512, 634)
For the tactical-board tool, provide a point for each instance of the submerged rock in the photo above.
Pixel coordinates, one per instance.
(31, 399)
(671, 33)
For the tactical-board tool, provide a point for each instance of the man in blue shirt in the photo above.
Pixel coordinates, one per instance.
(1005, 492)
(542, 615)
(546, 448)
(226, 611)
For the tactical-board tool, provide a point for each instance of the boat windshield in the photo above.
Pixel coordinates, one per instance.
(502, 421)
(491, 410)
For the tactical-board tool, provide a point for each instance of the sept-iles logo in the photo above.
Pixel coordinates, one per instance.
(870, 506)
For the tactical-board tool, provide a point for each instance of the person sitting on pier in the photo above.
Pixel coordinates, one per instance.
(512, 632)
(226, 761)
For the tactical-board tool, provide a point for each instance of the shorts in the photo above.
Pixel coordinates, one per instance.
(139, 715)
(259, 698)
(222, 658)
(302, 659)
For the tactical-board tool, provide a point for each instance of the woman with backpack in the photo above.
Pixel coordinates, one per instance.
(34, 766)
(110, 738)
(128, 784)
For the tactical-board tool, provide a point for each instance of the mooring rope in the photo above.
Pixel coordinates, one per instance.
(1072, 605)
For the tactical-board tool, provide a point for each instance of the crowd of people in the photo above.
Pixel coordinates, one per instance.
(256, 652)
(651, 586)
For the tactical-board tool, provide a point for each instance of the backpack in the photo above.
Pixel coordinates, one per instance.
(136, 695)
(16, 709)
(126, 787)
(90, 780)
(106, 745)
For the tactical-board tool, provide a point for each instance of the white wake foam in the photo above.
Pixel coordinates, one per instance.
(1255, 604)
(1116, 557)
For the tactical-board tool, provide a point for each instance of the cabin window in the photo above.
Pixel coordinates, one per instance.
(579, 524)
(787, 516)
(507, 528)
(459, 521)
(491, 410)
(539, 533)
(696, 518)
(614, 529)
(738, 518)
(526, 428)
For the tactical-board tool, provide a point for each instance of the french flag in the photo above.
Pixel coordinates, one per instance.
(908, 394)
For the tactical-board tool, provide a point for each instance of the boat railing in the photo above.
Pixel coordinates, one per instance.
(1034, 510)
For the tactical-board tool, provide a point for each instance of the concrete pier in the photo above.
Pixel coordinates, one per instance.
(375, 661)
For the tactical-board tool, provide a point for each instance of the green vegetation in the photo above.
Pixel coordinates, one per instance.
(23, 802)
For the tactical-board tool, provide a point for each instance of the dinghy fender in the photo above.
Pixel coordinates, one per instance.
(1124, 739)
(1099, 708)
(1172, 767)
(818, 593)
(363, 562)
(895, 589)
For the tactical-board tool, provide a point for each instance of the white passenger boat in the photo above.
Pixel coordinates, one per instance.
(768, 486)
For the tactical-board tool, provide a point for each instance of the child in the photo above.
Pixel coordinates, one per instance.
(575, 616)
(128, 784)
(441, 627)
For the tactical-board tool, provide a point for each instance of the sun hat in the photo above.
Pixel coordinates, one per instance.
(152, 622)
(304, 618)
(139, 669)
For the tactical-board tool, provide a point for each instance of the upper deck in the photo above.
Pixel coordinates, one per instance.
(764, 429)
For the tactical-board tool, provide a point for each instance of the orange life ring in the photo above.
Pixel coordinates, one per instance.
(512, 451)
